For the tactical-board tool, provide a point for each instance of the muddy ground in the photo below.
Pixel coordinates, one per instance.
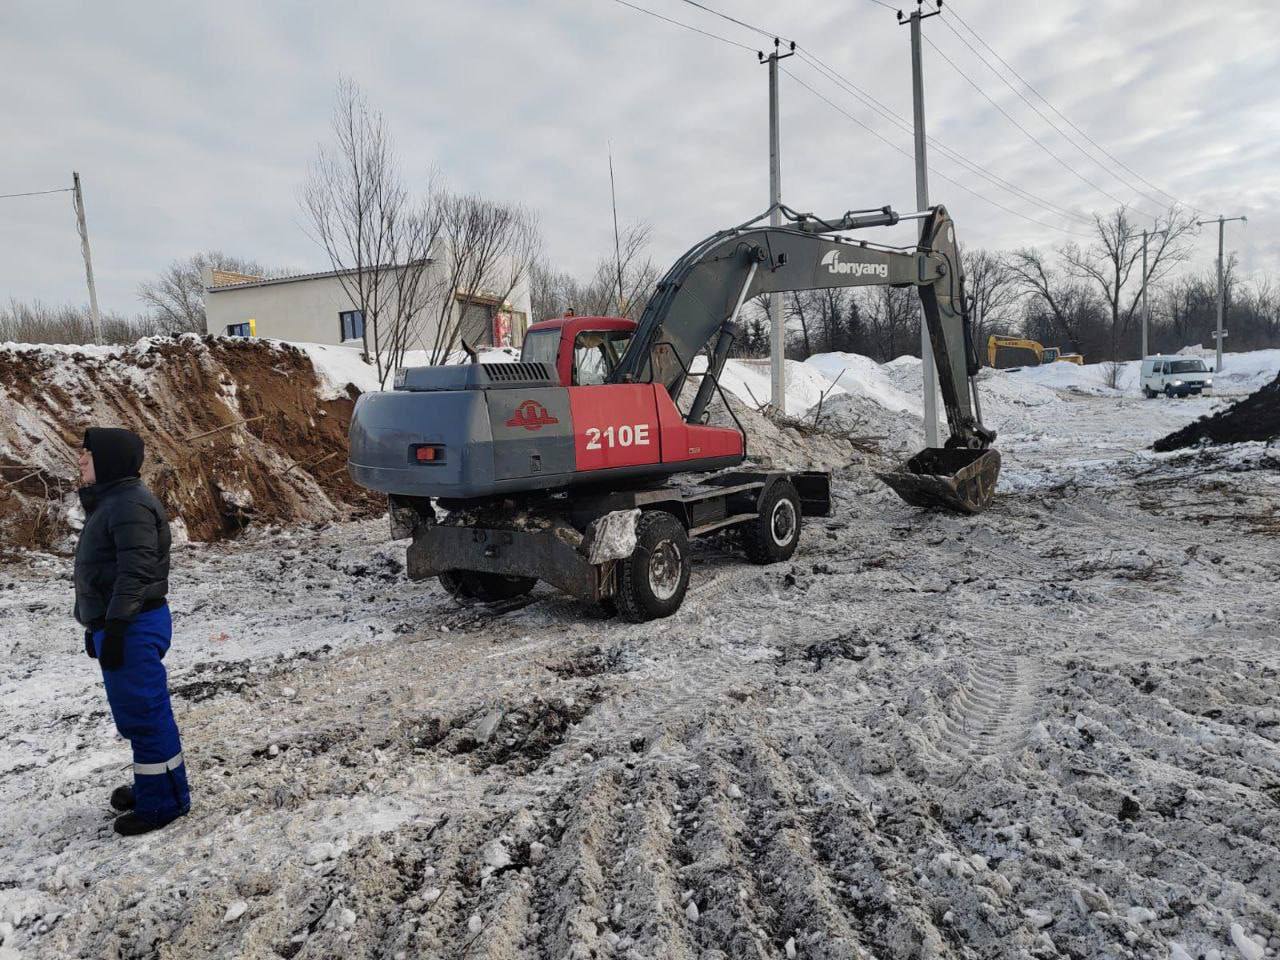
(1048, 731)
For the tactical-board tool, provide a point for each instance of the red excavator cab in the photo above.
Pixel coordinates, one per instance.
(583, 350)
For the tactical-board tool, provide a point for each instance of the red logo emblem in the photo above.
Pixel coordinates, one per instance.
(532, 416)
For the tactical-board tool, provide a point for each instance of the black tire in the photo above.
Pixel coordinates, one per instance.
(467, 585)
(772, 537)
(652, 581)
(1168, 392)
(1148, 393)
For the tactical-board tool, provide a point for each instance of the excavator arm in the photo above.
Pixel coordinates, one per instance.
(696, 303)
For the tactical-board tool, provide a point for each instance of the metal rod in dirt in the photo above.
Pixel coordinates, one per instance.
(94, 317)
(928, 370)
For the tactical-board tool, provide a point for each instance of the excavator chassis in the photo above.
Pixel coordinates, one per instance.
(577, 543)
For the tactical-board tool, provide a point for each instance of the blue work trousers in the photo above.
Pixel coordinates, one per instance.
(139, 696)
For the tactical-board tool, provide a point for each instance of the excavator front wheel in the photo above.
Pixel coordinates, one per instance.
(652, 581)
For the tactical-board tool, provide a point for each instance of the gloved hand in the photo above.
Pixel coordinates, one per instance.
(112, 655)
(88, 644)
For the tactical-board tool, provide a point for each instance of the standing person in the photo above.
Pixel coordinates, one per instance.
(122, 578)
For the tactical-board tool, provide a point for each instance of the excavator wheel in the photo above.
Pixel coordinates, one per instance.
(472, 585)
(772, 537)
(653, 580)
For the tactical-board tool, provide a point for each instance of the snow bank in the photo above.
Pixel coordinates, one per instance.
(750, 382)
(864, 377)
(1241, 373)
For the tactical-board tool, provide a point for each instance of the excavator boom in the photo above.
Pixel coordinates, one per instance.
(696, 303)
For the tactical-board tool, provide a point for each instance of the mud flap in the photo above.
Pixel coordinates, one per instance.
(960, 480)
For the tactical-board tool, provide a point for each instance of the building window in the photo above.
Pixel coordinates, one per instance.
(238, 330)
(352, 322)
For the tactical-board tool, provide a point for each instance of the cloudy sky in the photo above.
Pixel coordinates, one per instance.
(192, 125)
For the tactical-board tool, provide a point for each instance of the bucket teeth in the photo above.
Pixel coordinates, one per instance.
(937, 477)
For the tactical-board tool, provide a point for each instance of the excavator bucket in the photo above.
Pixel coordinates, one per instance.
(960, 480)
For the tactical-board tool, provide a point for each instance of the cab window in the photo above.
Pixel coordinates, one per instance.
(541, 346)
(596, 353)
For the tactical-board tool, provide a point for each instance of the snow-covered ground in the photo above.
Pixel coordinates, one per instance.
(1050, 730)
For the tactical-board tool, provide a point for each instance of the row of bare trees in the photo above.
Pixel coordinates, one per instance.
(619, 286)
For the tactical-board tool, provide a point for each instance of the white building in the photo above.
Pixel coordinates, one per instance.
(316, 308)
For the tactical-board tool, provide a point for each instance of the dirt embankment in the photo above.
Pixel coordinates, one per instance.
(1256, 417)
(236, 433)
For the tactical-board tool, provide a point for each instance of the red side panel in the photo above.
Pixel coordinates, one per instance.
(681, 441)
(614, 425)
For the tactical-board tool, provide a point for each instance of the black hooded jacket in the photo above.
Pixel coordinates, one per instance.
(122, 559)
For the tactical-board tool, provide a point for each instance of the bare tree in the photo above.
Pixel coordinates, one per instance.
(486, 250)
(993, 285)
(378, 239)
(176, 296)
(894, 320)
(1110, 261)
(553, 293)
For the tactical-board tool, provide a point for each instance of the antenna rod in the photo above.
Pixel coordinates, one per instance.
(617, 246)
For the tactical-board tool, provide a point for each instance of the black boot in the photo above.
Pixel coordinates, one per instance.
(131, 824)
(122, 798)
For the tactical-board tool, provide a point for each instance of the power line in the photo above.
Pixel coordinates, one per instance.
(705, 33)
(1027, 133)
(845, 113)
(741, 23)
(1039, 113)
(906, 153)
(952, 154)
(952, 10)
(36, 193)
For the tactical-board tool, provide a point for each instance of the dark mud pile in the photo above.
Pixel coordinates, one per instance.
(1256, 417)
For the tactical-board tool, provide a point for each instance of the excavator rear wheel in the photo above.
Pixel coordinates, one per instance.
(653, 580)
(772, 537)
(484, 587)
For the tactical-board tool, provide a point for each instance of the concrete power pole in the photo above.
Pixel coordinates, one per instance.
(777, 328)
(94, 316)
(1220, 333)
(1146, 312)
(928, 370)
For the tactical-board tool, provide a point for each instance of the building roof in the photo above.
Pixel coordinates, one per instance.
(248, 282)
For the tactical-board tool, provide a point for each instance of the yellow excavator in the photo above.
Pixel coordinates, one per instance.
(1008, 352)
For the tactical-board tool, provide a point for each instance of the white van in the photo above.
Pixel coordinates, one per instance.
(1175, 376)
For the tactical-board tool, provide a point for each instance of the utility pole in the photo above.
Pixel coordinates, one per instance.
(94, 316)
(1220, 333)
(777, 328)
(929, 372)
(1146, 313)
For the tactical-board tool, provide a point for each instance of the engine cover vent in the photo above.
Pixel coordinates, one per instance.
(477, 376)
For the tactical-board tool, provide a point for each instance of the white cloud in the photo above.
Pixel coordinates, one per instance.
(193, 126)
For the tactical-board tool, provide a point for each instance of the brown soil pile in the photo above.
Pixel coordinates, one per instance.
(235, 434)
(1256, 417)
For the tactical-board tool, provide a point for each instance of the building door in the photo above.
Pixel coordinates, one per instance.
(476, 322)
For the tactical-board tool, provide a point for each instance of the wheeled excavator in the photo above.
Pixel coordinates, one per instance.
(577, 465)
